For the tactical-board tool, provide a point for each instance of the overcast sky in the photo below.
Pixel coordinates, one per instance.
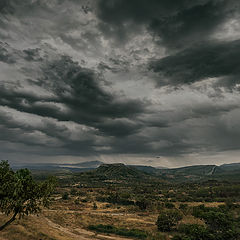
(152, 82)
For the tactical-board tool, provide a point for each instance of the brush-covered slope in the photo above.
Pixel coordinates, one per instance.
(119, 171)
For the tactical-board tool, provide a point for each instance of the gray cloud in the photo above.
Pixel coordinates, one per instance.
(106, 79)
(208, 60)
(177, 23)
(74, 88)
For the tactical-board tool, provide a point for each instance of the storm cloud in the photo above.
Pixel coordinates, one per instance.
(209, 60)
(178, 24)
(130, 81)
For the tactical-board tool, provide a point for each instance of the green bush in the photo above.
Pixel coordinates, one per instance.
(95, 206)
(180, 237)
(168, 219)
(73, 192)
(118, 231)
(169, 205)
(65, 196)
(183, 206)
(143, 203)
(220, 223)
(194, 231)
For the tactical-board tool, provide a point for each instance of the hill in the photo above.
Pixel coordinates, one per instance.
(116, 173)
(229, 172)
(119, 171)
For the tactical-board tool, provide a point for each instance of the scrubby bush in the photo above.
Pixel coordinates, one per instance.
(73, 192)
(95, 206)
(220, 223)
(169, 205)
(168, 219)
(118, 231)
(194, 231)
(181, 237)
(183, 206)
(142, 203)
(65, 196)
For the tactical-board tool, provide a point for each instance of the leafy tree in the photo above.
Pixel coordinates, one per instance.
(168, 219)
(20, 195)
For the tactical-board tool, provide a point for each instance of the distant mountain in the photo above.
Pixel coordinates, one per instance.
(118, 171)
(230, 167)
(55, 167)
(189, 173)
(192, 170)
(229, 172)
(91, 164)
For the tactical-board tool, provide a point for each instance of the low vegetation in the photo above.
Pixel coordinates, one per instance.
(136, 233)
(146, 207)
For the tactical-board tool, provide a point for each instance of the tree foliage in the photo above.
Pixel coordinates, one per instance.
(20, 194)
(220, 224)
(168, 219)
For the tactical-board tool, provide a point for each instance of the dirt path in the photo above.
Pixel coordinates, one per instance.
(81, 234)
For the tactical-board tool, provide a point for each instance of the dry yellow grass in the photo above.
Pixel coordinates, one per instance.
(42, 228)
(67, 220)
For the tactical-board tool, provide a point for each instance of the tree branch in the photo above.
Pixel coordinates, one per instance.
(9, 221)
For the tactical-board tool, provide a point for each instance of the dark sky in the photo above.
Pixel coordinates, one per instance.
(152, 82)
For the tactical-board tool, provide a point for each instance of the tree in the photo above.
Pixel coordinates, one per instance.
(20, 195)
(168, 219)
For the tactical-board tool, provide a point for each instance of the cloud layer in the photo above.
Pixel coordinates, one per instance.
(133, 81)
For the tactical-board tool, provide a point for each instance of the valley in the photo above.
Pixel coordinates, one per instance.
(115, 201)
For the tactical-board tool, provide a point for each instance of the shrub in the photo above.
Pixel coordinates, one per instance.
(168, 219)
(194, 231)
(220, 223)
(142, 203)
(169, 205)
(95, 206)
(73, 192)
(180, 237)
(65, 196)
(118, 231)
(183, 206)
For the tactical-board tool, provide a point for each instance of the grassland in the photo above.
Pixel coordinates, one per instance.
(99, 205)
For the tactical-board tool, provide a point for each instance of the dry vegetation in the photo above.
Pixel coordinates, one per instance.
(90, 206)
(69, 219)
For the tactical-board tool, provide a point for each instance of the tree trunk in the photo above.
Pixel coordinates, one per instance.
(9, 221)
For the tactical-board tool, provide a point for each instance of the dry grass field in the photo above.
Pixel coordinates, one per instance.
(69, 220)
